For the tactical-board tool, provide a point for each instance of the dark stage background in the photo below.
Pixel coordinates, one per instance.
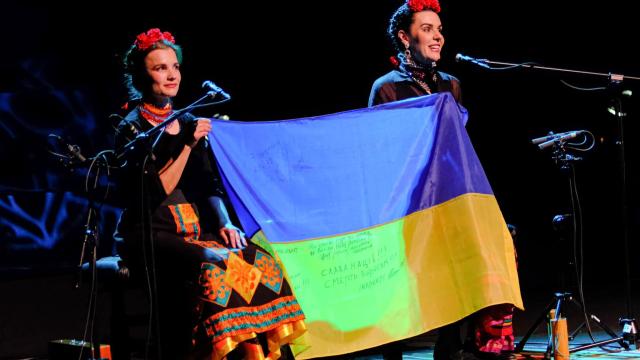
(59, 73)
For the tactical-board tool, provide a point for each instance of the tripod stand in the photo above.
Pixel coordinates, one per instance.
(558, 306)
(614, 88)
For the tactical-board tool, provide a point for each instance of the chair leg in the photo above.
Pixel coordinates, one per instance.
(120, 349)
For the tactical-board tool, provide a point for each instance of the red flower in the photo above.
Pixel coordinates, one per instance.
(421, 5)
(394, 61)
(146, 40)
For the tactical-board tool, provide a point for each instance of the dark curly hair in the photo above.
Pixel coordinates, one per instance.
(400, 20)
(136, 78)
(403, 18)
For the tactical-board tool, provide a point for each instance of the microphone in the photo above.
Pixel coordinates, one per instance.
(73, 151)
(469, 59)
(541, 139)
(214, 89)
(546, 141)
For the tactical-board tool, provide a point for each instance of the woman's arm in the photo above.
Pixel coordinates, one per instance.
(230, 234)
(171, 173)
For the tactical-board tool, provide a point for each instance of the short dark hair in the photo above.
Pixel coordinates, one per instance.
(136, 78)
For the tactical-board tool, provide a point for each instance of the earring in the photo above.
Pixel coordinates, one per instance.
(407, 53)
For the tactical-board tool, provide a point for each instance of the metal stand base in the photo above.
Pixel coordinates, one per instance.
(558, 303)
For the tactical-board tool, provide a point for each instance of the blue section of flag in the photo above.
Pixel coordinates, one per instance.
(321, 176)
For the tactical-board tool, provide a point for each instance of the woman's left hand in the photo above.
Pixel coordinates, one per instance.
(232, 236)
(202, 128)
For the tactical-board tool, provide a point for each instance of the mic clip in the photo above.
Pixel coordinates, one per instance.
(570, 157)
(74, 150)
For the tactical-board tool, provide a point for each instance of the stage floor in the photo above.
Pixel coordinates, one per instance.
(535, 348)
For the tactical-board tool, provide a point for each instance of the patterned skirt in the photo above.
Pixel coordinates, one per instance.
(243, 302)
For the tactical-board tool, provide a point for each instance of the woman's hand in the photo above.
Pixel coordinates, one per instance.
(232, 236)
(203, 127)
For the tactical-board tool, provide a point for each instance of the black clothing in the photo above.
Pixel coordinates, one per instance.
(192, 263)
(398, 85)
(200, 178)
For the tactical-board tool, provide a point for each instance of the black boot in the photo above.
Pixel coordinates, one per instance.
(448, 346)
(392, 351)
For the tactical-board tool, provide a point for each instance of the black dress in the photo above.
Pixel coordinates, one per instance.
(398, 85)
(492, 330)
(235, 294)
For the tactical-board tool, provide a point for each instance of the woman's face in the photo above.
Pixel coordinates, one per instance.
(425, 39)
(163, 68)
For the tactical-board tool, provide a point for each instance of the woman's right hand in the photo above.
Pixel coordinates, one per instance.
(232, 236)
(203, 127)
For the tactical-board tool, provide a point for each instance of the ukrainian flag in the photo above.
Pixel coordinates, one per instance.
(383, 218)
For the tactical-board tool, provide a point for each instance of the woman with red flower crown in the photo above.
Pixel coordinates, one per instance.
(415, 30)
(218, 294)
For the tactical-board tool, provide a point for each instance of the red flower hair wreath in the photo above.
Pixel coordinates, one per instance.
(421, 5)
(146, 40)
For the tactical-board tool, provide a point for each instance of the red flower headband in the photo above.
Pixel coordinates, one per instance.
(146, 40)
(421, 5)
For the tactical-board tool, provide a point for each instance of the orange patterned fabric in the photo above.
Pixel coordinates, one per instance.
(217, 248)
(271, 272)
(247, 303)
(225, 346)
(186, 220)
(252, 351)
(244, 295)
(276, 337)
(240, 320)
(242, 276)
(284, 334)
(215, 289)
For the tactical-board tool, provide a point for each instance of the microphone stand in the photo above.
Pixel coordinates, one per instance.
(528, 65)
(614, 85)
(557, 308)
(91, 244)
